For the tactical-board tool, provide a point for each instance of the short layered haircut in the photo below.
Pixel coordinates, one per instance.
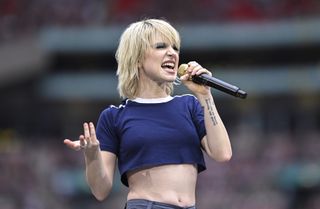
(134, 42)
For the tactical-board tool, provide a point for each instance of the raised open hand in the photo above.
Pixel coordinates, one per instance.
(87, 141)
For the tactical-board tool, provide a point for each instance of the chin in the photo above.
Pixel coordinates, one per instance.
(171, 79)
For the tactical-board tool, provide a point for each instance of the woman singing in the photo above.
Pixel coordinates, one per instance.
(157, 139)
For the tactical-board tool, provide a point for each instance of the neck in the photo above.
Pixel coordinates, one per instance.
(152, 90)
(148, 93)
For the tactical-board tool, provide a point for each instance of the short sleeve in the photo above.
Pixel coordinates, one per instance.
(198, 117)
(106, 132)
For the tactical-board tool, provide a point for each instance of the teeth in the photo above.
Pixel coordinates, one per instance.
(168, 65)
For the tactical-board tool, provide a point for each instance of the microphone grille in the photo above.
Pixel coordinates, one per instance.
(182, 69)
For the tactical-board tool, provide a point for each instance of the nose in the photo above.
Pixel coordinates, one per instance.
(171, 52)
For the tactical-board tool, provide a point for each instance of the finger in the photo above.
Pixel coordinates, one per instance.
(82, 142)
(92, 132)
(194, 68)
(203, 71)
(71, 144)
(197, 70)
(86, 133)
(192, 63)
(185, 77)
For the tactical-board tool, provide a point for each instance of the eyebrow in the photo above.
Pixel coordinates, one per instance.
(160, 43)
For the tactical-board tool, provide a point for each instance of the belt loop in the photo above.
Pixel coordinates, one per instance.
(150, 203)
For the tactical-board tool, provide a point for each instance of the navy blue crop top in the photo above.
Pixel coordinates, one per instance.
(153, 132)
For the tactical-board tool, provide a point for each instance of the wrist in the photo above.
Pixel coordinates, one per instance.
(91, 154)
(204, 97)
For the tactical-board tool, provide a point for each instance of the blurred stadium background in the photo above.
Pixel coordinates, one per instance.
(57, 70)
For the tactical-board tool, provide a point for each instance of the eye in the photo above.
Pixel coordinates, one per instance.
(161, 45)
(175, 48)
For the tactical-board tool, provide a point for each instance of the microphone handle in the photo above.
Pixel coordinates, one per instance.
(207, 80)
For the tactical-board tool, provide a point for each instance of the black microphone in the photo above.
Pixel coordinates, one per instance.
(205, 79)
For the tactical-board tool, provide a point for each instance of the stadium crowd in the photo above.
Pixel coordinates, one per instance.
(27, 17)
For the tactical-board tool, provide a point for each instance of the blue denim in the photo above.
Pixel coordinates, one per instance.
(146, 204)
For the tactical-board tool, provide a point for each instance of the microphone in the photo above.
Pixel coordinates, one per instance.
(207, 80)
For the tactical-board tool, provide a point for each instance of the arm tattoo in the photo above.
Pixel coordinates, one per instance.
(211, 112)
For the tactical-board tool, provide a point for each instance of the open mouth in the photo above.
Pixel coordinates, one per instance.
(168, 65)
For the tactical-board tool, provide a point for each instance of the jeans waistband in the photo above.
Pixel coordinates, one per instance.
(147, 204)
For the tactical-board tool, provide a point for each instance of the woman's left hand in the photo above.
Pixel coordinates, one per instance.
(195, 69)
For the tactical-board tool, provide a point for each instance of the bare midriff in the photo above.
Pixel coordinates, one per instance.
(172, 184)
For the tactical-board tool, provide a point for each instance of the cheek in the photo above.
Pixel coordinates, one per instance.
(149, 68)
(152, 61)
(148, 65)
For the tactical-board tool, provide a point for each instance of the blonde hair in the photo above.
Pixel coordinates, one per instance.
(134, 42)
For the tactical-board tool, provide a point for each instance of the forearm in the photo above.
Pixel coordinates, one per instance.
(98, 179)
(217, 143)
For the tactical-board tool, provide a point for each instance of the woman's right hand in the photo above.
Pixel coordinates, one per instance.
(88, 141)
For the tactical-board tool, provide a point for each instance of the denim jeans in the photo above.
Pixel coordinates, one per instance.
(146, 204)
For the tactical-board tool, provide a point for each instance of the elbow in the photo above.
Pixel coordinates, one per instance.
(222, 157)
(100, 196)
